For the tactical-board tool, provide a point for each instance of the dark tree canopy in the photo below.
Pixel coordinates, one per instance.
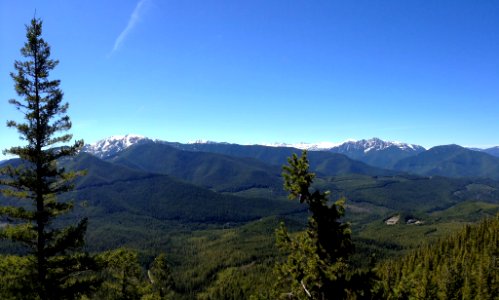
(59, 270)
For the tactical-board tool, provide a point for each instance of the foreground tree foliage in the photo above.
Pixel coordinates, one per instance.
(122, 274)
(316, 266)
(464, 265)
(161, 279)
(124, 278)
(55, 267)
(16, 282)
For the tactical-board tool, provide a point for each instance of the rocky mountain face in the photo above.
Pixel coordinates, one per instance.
(110, 146)
(376, 152)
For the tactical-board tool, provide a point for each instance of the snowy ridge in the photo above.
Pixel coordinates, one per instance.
(204, 142)
(321, 146)
(114, 144)
(375, 144)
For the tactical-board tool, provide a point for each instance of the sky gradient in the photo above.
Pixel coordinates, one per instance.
(422, 72)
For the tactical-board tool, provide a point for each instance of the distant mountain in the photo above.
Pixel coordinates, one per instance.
(323, 162)
(323, 146)
(210, 170)
(127, 205)
(258, 163)
(451, 161)
(494, 151)
(374, 152)
(377, 152)
(375, 144)
(109, 189)
(13, 162)
(131, 192)
(100, 172)
(112, 145)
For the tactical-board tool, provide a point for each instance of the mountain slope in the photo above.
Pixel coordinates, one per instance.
(494, 151)
(324, 162)
(132, 207)
(110, 188)
(411, 192)
(161, 197)
(100, 172)
(463, 264)
(219, 172)
(451, 161)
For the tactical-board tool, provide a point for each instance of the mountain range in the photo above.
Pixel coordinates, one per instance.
(451, 161)
(135, 174)
(356, 149)
(230, 182)
(134, 183)
(369, 157)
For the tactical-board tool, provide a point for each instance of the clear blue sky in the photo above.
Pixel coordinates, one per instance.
(423, 72)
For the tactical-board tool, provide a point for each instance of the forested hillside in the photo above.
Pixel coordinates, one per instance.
(451, 161)
(464, 265)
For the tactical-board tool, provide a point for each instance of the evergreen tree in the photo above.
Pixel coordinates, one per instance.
(60, 270)
(316, 264)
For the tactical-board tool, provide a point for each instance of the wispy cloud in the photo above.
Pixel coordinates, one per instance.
(132, 22)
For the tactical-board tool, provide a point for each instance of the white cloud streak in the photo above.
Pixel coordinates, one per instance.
(132, 22)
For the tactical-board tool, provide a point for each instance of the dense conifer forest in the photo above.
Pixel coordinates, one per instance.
(463, 265)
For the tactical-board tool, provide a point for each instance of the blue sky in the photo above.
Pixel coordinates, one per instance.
(423, 72)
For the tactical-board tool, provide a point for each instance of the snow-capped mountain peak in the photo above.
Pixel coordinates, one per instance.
(376, 144)
(110, 146)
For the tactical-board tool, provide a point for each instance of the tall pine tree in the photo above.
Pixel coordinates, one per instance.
(316, 263)
(60, 270)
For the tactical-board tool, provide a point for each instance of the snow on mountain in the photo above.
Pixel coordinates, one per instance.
(204, 142)
(378, 153)
(321, 146)
(110, 146)
(375, 144)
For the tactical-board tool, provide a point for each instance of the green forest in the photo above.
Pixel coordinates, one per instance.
(214, 226)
